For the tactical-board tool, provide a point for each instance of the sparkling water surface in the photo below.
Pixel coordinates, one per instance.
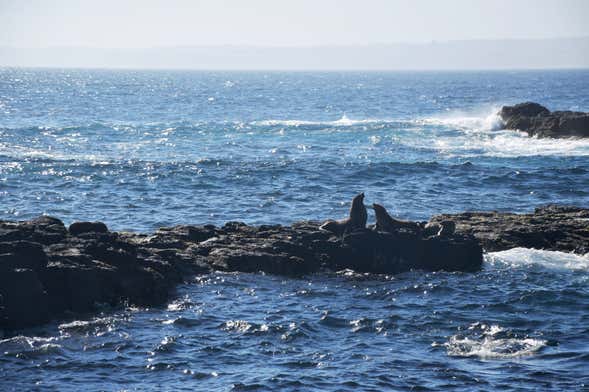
(143, 149)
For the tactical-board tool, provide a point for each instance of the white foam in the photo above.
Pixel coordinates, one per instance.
(480, 120)
(491, 342)
(513, 143)
(85, 326)
(493, 348)
(24, 152)
(344, 121)
(237, 326)
(519, 257)
(25, 344)
(480, 133)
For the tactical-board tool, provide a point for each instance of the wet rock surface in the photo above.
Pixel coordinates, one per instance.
(553, 227)
(537, 120)
(47, 270)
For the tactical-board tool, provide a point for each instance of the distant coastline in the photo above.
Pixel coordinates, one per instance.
(514, 54)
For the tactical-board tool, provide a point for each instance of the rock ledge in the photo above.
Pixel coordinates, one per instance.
(47, 271)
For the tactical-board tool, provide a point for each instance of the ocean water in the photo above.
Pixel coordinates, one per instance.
(143, 149)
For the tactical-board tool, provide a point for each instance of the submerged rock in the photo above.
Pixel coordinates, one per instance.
(537, 120)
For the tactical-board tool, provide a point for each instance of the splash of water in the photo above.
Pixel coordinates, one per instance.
(491, 342)
(522, 257)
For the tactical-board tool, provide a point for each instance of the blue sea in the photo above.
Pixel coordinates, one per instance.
(143, 149)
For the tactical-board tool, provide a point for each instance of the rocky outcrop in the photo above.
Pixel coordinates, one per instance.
(538, 121)
(47, 270)
(551, 227)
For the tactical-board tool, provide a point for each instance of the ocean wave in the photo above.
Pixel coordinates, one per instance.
(522, 257)
(492, 342)
(344, 121)
(24, 153)
(447, 136)
(496, 144)
(479, 120)
(477, 133)
(510, 144)
(481, 133)
(29, 346)
(96, 326)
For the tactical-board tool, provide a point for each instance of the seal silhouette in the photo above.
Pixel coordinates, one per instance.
(385, 222)
(358, 213)
(356, 220)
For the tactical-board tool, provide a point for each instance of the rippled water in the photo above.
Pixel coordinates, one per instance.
(514, 326)
(141, 149)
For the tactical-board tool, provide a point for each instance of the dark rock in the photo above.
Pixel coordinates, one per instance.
(560, 228)
(234, 226)
(232, 259)
(536, 120)
(78, 287)
(78, 228)
(23, 300)
(186, 233)
(48, 221)
(392, 253)
(47, 230)
(22, 254)
(44, 230)
(526, 109)
(46, 271)
(456, 253)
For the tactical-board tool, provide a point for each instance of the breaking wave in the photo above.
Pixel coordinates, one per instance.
(521, 257)
(480, 120)
(481, 133)
(344, 121)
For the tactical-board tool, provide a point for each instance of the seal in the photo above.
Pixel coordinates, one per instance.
(385, 222)
(336, 227)
(356, 220)
(358, 213)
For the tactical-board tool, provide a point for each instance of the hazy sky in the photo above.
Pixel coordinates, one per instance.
(149, 23)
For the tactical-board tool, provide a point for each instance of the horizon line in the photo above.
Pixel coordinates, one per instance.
(334, 70)
(304, 46)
